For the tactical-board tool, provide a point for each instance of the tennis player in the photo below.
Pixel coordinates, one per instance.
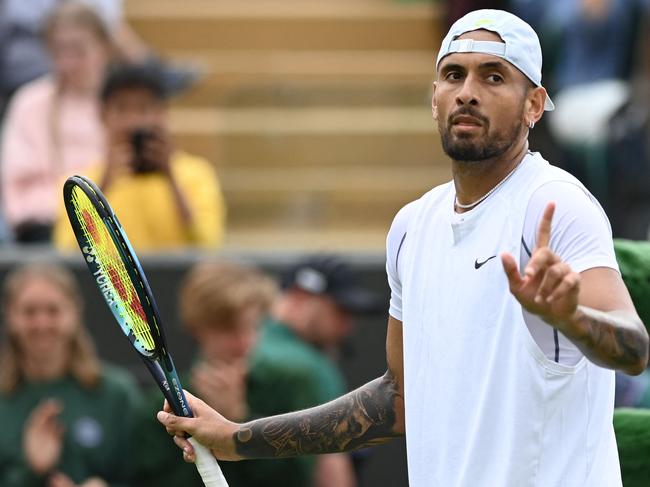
(508, 315)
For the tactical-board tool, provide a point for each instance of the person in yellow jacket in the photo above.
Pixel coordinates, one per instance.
(164, 198)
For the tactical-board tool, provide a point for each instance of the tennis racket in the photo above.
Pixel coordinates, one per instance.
(118, 274)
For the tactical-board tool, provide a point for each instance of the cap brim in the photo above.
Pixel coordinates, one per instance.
(357, 300)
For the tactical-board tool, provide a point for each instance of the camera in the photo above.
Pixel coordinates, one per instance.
(138, 140)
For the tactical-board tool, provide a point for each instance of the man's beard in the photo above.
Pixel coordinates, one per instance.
(467, 149)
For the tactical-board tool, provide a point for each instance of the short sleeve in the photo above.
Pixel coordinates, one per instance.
(581, 236)
(580, 233)
(394, 245)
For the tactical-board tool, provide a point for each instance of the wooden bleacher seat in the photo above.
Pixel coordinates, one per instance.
(316, 113)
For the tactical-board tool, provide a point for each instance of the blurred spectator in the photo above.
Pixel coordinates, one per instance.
(24, 58)
(592, 45)
(309, 322)
(59, 406)
(605, 30)
(163, 197)
(222, 306)
(576, 32)
(53, 126)
(629, 151)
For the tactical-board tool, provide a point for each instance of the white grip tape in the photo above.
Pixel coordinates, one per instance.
(207, 466)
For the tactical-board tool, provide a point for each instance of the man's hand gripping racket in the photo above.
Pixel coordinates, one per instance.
(117, 272)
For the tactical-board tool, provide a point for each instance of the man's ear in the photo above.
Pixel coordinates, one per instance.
(535, 99)
(434, 106)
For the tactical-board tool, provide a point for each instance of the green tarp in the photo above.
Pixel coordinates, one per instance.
(633, 425)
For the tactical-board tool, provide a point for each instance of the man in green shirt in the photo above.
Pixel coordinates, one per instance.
(222, 306)
(243, 375)
(309, 320)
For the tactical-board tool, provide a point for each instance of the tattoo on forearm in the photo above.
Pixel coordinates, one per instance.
(630, 346)
(364, 417)
(614, 340)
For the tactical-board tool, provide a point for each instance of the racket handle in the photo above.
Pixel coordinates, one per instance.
(207, 466)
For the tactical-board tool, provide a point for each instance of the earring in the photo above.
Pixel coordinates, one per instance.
(531, 124)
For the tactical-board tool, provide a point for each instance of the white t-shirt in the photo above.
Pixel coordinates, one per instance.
(486, 401)
(581, 235)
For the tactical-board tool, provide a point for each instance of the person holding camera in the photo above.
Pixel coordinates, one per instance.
(164, 198)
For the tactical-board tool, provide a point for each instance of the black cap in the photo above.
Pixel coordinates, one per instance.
(329, 275)
(124, 76)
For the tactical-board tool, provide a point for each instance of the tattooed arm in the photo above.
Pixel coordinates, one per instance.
(370, 415)
(593, 308)
(605, 326)
(361, 418)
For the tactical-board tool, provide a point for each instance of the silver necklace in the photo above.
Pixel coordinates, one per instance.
(485, 196)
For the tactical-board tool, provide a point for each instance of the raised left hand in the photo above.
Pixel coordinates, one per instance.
(548, 288)
(43, 437)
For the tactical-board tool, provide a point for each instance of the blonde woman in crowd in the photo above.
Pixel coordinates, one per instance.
(53, 126)
(59, 405)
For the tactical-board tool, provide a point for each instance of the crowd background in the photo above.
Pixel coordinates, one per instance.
(309, 121)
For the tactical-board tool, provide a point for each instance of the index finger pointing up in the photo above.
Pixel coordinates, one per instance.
(544, 230)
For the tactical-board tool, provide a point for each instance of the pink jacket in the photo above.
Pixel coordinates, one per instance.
(46, 137)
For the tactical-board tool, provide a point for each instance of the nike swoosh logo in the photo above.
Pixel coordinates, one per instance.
(478, 265)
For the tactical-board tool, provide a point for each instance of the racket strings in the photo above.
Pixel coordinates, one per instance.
(113, 275)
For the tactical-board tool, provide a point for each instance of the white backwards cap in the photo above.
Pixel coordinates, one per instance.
(520, 46)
